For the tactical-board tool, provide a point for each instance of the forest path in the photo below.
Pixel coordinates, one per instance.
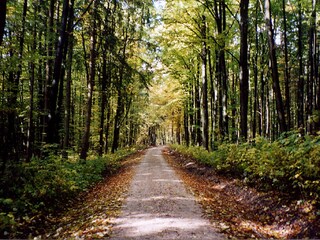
(158, 205)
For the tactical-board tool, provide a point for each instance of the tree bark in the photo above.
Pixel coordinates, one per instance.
(106, 150)
(300, 87)
(120, 104)
(53, 121)
(186, 123)
(286, 70)
(221, 69)
(204, 102)
(197, 108)
(93, 41)
(212, 100)
(255, 71)
(49, 69)
(31, 128)
(3, 14)
(67, 109)
(103, 102)
(117, 121)
(311, 102)
(192, 111)
(244, 72)
(274, 69)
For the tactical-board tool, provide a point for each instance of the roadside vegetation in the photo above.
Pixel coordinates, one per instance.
(290, 164)
(43, 186)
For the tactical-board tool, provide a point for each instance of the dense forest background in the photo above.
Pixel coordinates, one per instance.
(80, 79)
(247, 69)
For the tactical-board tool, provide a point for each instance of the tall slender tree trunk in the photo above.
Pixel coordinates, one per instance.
(197, 100)
(311, 102)
(186, 123)
(50, 39)
(3, 14)
(286, 70)
(255, 71)
(213, 100)
(274, 69)
(244, 71)
(204, 98)
(192, 112)
(234, 109)
(300, 86)
(53, 121)
(221, 69)
(67, 110)
(104, 80)
(117, 121)
(316, 60)
(178, 128)
(92, 67)
(107, 128)
(120, 103)
(103, 102)
(31, 128)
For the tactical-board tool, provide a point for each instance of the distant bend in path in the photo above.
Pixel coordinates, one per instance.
(158, 205)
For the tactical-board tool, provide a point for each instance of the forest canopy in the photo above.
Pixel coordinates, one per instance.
(76, 75)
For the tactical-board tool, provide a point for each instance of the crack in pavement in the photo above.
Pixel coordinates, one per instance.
(158, 205)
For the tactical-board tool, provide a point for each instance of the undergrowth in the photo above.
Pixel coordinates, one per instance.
(291, 164)
(29, 190)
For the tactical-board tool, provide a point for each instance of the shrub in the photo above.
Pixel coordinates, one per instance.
(291, 164)
(42, 185)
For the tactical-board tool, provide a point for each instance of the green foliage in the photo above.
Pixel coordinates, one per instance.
(47, 184)
(291, 164)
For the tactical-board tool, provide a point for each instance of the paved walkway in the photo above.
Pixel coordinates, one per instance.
(158, 205)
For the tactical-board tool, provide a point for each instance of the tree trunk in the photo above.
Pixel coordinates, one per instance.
(117, 122)
(120, 103)
(67, 109)
(255, 71)
(106, 149)
(3, 14)
(192, 112)
(86, 135)
(286, 70)
(53, 121)
(274, 69)
(300, 87)
(178, 128)
(198, 109)
(316, 62)
(49, 69)
(312, 69)
(221, 70)
(212, 100)
(244, 72)
(234, 109)
(31, 129)
(204, 102)
(186, 123)
(103, 103)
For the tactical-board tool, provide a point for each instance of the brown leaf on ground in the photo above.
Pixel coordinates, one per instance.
(242, 211)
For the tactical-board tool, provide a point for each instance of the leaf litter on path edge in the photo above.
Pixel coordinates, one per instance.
(91, 215)
(242, 212)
